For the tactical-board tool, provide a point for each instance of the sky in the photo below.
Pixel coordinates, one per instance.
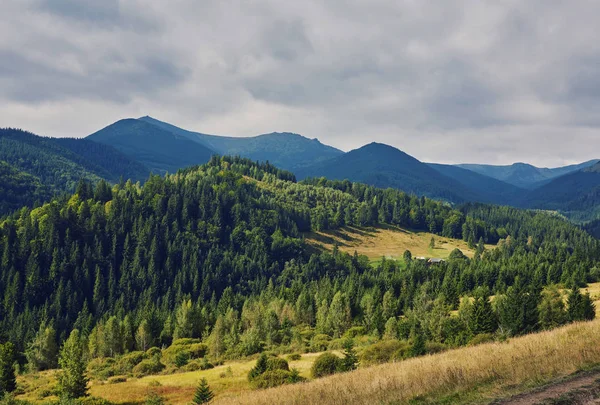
(482, 81)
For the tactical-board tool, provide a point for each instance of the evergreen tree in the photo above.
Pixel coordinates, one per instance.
(42, 353)
(350, 360)
(72, 380)
(203, 394)
(551, 309)
(8, 380)
(482, 318)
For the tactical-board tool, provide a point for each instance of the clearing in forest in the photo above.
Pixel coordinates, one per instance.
(388, 241)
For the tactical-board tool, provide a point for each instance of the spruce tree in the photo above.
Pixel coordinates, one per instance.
(72, 381)
(8, 381)
(203, 394)
(350, 360)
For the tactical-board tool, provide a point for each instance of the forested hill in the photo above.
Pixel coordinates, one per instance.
(217, 252)
(35, 168)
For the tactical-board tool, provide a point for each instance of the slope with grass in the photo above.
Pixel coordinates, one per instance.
(387, 241)
(477, 374)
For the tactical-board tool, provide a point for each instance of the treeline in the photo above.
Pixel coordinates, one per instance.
(216, 253)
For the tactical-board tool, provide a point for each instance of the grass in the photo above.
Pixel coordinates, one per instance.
(387, 241)
(468, 375)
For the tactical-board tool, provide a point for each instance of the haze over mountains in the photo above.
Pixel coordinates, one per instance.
(153, 145)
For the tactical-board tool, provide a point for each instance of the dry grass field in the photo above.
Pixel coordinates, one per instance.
(467, 375)
(388, 241)
(476, 374)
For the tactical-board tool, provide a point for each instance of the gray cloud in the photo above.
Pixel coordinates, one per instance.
(470, 80)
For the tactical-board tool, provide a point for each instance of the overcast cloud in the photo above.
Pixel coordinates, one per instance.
(447, 81)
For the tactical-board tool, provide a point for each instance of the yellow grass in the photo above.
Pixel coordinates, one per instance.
(483, 372)
(179, 388)
(388, 241)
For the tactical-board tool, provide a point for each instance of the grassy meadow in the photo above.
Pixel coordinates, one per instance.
(389, 242)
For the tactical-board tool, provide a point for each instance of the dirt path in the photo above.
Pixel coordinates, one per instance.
(583, 389)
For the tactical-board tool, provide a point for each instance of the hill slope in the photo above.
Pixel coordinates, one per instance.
(490, 189)
(285, 150)
(525, 175)
(158, 149)
(577, 194)
(384, 166)
(38, 167)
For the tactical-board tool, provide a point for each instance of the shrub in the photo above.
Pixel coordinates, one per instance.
(326, 364)
(128, 361)
(93, 401)
(154, 399)
(385, 351)
(481, 338)
(146, 367)
(117, 380)
(355, 331)
(153, 352)
(193, 365)
(197, 350)
(319, 342)
(206, 365)
(276, 363)
(294, 357)
(275, 378)
(185, 342)
(182, 358)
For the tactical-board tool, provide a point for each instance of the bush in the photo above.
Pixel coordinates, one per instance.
(326, 364)
(385, 351)
(117, 380)
(355, 331)
(276, 363)
(294, 357)
(481, 338)
(182, 358)
(147, 367)
(206, 365)
(153, 352)
(319, 342)
(275, 378)
(128, 361)
(197, 350)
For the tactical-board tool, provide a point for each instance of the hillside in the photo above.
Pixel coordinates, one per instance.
(38, 168)
(212, 264)
(525, 175)
(285, 150)
(384, 166)
(488, 188)
(160, 150)
(577, 194)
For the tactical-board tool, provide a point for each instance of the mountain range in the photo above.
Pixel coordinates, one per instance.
(149, 145)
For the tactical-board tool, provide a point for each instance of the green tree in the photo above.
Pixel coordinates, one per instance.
(203, 394)
(42, 353)
(482, 318)
(8, 381)
(551, 309)
(72, 380)
(350, 359)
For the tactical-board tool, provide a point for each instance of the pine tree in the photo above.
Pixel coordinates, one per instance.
(203, 394)
(8, 381)
(350, 360)
(72, 381)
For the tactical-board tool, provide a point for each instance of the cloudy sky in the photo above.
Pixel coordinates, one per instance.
(448, 81)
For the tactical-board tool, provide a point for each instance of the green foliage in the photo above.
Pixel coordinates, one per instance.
(203, 393)
(385, 351)
(42, 353)
(350, 359)
(8, 381)
(148, 367)
(72, 380)
(551, 309)
(326, 364)
(580, 307)
(154, 398)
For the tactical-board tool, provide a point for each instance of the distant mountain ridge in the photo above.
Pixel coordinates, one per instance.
(525, 175)
(164, 147)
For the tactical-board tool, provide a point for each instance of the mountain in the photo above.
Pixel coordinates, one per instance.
(19, 189)
(490, 189)
(576, 195)
(283, 149)
(384, 166)
(35, 167)
(158, 149)
(525, 175)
